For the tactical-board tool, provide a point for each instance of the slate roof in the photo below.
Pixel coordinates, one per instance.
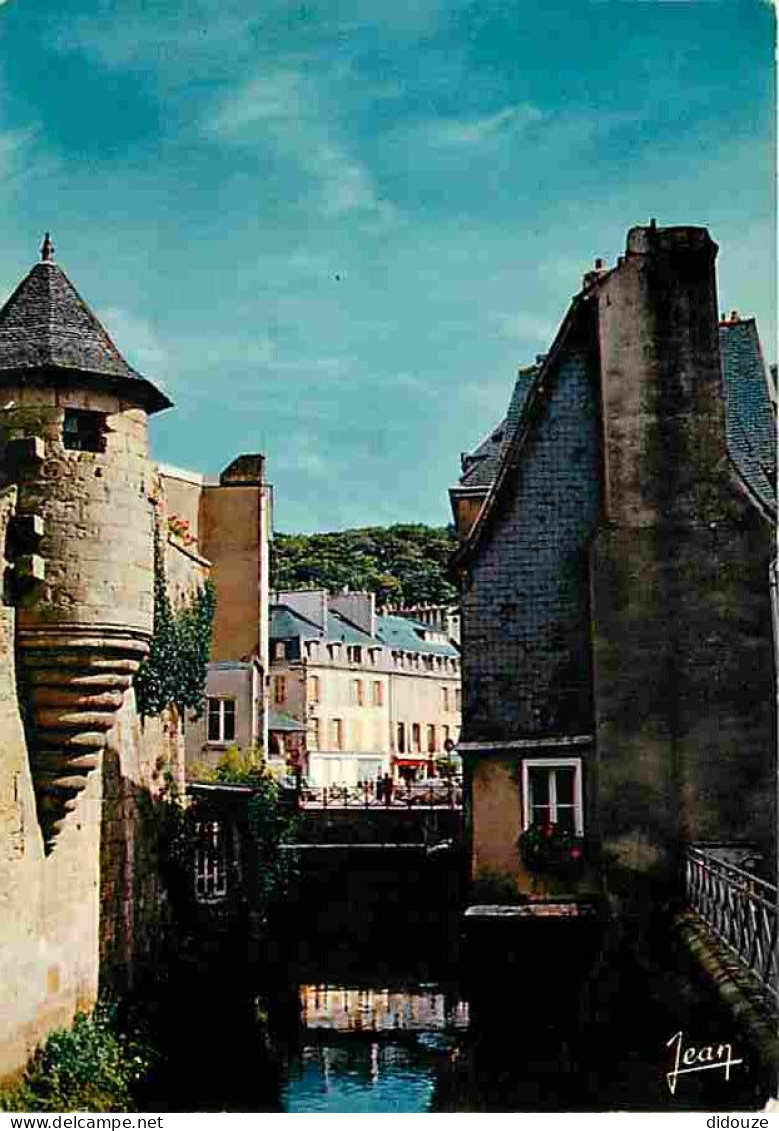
(481, 465)
(391, 632)
(46, 326)
(339, 628)
(285, 624)
(402, 632)
(526, 408)
(750, 421)
(750, 417)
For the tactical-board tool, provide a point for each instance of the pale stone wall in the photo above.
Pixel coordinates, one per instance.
(182, 494)
(48, 905)
(143, 768)
(95, 506)
(94, 911)
(186, 572)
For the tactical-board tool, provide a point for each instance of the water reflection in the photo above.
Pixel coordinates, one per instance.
(372, 1049)
(370, 1001)
(355, 1010)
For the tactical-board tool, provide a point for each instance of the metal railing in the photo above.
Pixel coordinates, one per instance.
(433, 794)
(741, 909)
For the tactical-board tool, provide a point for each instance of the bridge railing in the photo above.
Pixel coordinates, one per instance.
(740, 908)
(433, 794)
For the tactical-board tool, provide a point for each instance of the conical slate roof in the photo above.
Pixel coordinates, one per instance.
(46, 326)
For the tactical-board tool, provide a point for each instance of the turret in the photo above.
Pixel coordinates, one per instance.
(73, 438)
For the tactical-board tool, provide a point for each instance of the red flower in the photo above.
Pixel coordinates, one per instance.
(575, 853)
(548, 830)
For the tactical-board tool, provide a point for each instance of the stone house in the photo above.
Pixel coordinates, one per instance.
(379, 693)
(616, 530)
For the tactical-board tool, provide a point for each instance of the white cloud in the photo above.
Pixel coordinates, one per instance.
(524, 327)
(273, 100)
(301, 454)
(324, 366)
(474, 131)
(136, 340)
(21, 153)
(298, 116)
(184, 33)
(346, 185)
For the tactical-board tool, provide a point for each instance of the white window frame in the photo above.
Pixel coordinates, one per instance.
(553, 764)
(221, 700)
(210, 871)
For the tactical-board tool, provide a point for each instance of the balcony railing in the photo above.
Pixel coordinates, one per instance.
(740, 908)
(432, 794)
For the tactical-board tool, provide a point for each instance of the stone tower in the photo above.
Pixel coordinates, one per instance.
(73, 439)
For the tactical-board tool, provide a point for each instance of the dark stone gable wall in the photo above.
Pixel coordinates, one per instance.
(684, 675)
(526, 620)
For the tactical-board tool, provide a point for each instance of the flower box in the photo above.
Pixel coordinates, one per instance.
(548, 848)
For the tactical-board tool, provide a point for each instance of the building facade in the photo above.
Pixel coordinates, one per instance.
(616, 534)
(378, 693)
(228, 521)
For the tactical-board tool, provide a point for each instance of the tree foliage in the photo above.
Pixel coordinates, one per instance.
(174, 672)
(93, 1066)
(403, 564)
(271, 825)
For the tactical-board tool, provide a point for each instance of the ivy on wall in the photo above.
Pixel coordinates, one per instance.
(174, 672)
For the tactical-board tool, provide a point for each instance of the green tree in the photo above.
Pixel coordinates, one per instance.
(402, 564)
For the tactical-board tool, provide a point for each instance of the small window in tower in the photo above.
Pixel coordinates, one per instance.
(83, 431)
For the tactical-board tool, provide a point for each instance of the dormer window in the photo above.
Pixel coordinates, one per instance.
(83, 431)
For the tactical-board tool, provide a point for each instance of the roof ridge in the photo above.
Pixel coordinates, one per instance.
(510, 451)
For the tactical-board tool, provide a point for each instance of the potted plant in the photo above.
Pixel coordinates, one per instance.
(550, 848)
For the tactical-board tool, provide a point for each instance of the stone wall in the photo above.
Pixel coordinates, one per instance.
(684, 667)
(93, 912)
(143, 769)
(48, 904)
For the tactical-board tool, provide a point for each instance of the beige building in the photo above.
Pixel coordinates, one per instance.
(228, 521)
(378, 693)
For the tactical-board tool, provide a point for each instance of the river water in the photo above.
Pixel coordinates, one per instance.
(368, 1002)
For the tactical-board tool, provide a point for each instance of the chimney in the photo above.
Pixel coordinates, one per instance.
(591, 277)
(663, 409)
(358, 608)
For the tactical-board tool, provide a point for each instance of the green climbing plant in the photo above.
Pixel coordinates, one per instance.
(174, 672)
(271, 826)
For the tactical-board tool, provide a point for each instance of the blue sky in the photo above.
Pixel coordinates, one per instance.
(332, 229)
